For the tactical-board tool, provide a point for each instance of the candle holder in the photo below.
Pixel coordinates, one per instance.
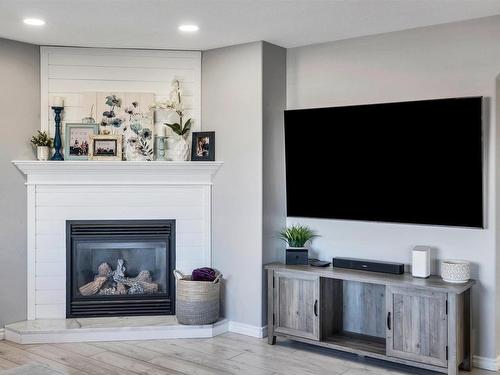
(160, 148)
(57, 138)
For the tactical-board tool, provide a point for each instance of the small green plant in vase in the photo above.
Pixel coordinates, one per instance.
(43, 144)
(296, 237)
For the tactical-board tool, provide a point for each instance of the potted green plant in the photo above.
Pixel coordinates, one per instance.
(296, 237)
(43, 143)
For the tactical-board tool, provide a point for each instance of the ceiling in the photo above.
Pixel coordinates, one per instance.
(288, 23)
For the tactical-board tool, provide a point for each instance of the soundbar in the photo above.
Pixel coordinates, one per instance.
(369, 265)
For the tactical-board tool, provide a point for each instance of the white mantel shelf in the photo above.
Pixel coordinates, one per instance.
(118, 172)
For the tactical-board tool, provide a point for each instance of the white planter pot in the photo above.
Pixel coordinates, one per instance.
(455, 271)
(42, 153)
(178, 148)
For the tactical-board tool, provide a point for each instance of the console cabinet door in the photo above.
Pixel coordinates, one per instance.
(296, 304)
(417, 325)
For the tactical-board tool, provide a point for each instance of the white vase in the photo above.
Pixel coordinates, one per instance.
(42, 153)
(178, 148)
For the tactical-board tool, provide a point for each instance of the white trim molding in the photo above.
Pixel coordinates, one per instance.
(2, 334)
(247, 329)
(486, 363)
(75, 172)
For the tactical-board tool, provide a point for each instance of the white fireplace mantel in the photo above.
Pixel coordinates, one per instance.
(58, 191)
(118, 172)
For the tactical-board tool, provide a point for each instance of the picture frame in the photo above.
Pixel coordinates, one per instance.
(130, 115)
(77, 140)
(105, 147)
(203, 146)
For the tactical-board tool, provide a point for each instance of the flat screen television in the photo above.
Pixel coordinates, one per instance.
(415, 162)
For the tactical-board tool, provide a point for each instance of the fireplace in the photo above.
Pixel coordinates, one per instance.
(120, 267)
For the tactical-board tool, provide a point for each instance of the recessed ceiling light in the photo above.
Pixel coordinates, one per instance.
(34, 21)
(189, 28)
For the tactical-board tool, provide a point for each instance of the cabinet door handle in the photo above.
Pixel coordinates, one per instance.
(316, 307)
(389, 320)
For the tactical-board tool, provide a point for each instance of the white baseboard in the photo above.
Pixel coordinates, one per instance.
(247, 329)
(486, 363)
(2, 334)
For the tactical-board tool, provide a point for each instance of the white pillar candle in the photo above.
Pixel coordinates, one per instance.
(58, 101)
(160, 130)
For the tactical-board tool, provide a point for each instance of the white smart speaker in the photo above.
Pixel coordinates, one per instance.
(421, 261)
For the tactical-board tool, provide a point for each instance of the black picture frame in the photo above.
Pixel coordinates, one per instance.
(210, 147)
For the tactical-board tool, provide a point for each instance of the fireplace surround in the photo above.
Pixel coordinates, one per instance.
(89, 190)
(120, 267)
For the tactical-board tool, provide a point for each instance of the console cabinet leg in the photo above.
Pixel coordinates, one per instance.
(271, 339)
(467, 326)
(452, 334)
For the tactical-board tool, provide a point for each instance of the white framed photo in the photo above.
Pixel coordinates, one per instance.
(105, 147)
(77, 140)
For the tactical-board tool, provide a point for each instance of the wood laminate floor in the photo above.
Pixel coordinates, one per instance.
(226, 354)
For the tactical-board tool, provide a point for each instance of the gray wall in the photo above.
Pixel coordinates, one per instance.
(459, 59)
(495, 119)
(20, 118)
(232, 106)
(243, 98)
(274, 197)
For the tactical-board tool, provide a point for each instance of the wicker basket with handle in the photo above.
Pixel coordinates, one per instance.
(197, 302)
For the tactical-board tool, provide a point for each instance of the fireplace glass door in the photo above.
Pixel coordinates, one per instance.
(118, 268)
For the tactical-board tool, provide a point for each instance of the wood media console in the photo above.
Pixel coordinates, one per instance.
(424, 323)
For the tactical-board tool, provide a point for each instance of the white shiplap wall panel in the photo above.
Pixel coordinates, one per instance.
(68, 72)
(93, 212)
(50, 255)
(50, 283)
(51, 311)
(55, 204)
(113, 73)
(75, 86)
(50, 297)
(101, 58)
(56, 269)
(122, 195)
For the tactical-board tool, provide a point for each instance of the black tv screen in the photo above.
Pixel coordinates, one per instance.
(409, 162)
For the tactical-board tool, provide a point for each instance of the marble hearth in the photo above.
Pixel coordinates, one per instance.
(108, 329)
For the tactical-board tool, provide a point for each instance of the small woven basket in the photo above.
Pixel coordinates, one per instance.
(197, 302)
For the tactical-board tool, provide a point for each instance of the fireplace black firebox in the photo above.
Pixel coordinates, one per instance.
(120, 267)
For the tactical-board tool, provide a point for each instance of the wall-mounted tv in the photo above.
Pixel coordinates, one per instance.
(409, 162)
